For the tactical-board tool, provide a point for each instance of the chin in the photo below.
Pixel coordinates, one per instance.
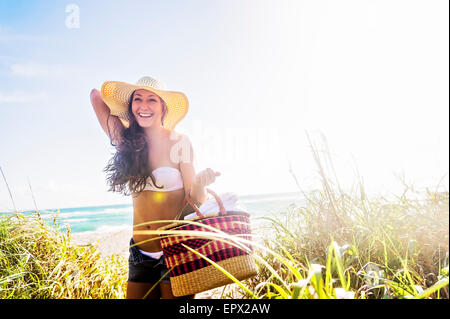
(145, 125)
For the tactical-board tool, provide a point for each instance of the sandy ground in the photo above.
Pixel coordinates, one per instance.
(118, 243)
(108, 242)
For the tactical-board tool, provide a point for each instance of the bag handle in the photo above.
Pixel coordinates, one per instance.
(222, 212)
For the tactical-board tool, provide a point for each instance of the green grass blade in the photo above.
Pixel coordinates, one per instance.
(436, 287)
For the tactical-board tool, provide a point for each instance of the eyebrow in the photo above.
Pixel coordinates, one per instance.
(136, 94)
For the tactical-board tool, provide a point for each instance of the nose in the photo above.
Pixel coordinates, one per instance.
(146, 107)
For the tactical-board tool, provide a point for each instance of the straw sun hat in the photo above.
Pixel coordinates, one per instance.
(117, 95)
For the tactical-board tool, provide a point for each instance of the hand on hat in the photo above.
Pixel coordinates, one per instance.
(206, 177)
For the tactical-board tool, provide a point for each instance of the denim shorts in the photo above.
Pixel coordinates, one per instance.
(142, 268)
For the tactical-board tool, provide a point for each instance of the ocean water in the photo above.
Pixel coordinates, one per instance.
(120, 217)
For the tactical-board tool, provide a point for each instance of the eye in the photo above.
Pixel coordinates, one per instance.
(137, 99)
(153, 100)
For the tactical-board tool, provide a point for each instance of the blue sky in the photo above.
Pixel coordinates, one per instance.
(372, 77)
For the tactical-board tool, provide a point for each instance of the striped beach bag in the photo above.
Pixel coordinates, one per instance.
(191, 273)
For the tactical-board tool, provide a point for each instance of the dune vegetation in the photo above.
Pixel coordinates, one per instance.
(338, 245)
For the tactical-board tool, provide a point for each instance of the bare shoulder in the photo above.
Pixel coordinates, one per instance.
(181, 148)
(177, 137)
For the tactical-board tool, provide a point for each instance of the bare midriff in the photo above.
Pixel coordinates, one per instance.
(152, 206)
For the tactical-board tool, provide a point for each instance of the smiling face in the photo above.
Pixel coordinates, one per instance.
(147, 108)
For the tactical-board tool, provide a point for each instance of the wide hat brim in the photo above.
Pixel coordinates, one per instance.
(116, 96)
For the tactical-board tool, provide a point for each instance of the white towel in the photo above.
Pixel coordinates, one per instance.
(211, 203)
(210, 206)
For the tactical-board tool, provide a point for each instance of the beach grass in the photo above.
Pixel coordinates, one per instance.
(344, 245)
(365, 249)
(357, 249)
(349, 245)
(39, 261)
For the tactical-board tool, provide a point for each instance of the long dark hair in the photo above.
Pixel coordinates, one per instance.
(128, 169)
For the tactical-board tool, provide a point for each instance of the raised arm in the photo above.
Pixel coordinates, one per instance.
(102, 111)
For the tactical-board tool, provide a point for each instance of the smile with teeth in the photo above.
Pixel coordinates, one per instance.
(146, 114)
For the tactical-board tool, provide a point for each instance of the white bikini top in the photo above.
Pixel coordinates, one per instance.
(168, 177)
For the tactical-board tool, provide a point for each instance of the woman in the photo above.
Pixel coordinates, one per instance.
(155, 163)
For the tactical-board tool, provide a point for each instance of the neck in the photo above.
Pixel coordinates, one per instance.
(154, 133)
